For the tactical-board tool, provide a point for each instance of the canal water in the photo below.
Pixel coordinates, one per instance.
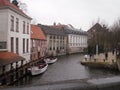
(67, 68)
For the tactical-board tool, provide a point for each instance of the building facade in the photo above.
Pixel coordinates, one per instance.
(76, 39)
(56, 40)
(38, 43)
(14, 30)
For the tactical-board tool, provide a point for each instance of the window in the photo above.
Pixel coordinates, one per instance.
(24, 27)
(27, 45)
(60, 37)
(50, 48)
(53, 48)
(27, 28)
(12, 23)
(23, 45)
(3, 45)
(57, 48)
(17, 45)
(12, 44)
(50, 37)
(53, 37)
(17, 25)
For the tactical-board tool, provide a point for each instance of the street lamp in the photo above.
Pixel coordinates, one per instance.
(96, 49)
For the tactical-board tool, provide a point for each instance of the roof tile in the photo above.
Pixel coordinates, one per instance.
(37, 32)
(51, 30)
(6, 3)
(9, 57)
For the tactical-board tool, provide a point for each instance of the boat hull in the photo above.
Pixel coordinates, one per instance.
(49, 61)
(35, 70)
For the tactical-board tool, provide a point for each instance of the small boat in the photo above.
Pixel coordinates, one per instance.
(36, 70)
(50, 60)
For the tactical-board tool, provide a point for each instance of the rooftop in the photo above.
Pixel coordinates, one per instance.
(37, 33)
(69, 29)
(95, 27)
(6, 4)
(9, 57)
(51, 30)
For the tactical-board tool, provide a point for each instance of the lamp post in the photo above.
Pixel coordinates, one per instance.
(96, 49)
(96, 43)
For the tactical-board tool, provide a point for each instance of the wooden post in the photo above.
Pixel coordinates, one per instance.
(104, 60)
(21, 71)
(112, 60)
(17, 71)
(26, 71)
(4, 75)
(12, 74)
(94, 60)
(3, 69)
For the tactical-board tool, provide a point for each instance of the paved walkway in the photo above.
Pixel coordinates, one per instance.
(101, 58)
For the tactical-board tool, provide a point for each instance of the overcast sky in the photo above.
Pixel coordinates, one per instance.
(79, 13)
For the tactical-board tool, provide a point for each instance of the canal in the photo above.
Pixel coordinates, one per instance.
(67, 68)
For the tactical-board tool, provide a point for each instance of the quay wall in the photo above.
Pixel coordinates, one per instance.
(110, 83)
(118, 64)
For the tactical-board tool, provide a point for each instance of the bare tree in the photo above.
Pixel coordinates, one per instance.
(115, 29)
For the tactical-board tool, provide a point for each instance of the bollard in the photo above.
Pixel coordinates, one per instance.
(112, 60)
(104, 60)
(94, 60)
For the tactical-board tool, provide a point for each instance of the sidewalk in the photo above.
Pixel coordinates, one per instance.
(101, 58)
(99, 61)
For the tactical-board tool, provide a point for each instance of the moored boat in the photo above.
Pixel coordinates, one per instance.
(50, 60)
(39, 69)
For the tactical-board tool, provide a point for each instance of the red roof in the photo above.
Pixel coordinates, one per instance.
(9, 57)
(37, 33)
(7, 4)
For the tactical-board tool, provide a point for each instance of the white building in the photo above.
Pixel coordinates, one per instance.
(77, 41)
(14, 30)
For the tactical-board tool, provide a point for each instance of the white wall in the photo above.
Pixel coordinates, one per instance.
(3, 25)
(6, 33)
(19, 34)
(77, 40)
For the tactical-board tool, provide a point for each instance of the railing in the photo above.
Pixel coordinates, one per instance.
(10, 77)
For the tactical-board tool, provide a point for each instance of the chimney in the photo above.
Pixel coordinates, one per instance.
(15, 2)
(54, 23)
